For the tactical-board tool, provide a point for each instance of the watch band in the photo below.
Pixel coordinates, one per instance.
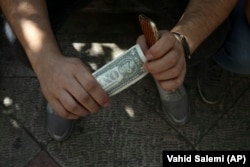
(184, 43)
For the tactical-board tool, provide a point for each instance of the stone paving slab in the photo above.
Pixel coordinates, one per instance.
(17, 147)
(129, 133)
(42, 159)
(204, 116)
(232, 131)
(11, 65)
(28, 105)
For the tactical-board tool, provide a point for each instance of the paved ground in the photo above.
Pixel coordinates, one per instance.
(129, 133)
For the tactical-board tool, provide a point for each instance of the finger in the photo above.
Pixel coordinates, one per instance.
(82, 97)
(71, 105)
(162, 46)
(174, 83)
(94, 89)
(61, 111)
(164, 63)
(142, 42)
(171, 73)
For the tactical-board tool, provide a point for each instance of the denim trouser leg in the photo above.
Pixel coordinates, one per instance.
(235, 53)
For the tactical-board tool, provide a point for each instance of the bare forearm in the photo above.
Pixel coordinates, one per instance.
(29, 20)
(201, 18)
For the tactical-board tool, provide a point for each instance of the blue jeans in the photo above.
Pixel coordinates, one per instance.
(235, 52)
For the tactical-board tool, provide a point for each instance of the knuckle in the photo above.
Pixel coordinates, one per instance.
(175, 72)
(164, 86)
(61, 77)
(172, 59)
(157, 77)
(155, 52)
(91, 85)
(169, 37)
(85, 98)
(70, 106)
(74, 64)
(84, 114)
(103, 101)
(140, 38)
(166, 35)
(95, 110)
(178, 82)
(150, 68)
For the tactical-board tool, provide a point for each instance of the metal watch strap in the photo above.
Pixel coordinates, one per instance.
(184, 43)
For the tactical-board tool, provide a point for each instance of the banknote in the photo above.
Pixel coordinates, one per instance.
(122, 72)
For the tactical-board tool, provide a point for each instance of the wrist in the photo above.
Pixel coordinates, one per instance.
(41, 51)
(182, 39)
(41, 59)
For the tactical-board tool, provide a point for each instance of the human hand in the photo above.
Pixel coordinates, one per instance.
(69, 87)
(166, 60)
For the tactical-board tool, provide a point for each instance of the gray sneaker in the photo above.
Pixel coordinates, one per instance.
(210, 80)
(174, 105)
(58, 128)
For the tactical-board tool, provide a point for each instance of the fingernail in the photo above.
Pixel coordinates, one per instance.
(149, 56)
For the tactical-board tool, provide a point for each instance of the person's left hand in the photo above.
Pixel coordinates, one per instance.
(166, 60)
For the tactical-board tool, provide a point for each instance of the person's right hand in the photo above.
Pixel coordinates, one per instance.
(166, 60)
(69, 87)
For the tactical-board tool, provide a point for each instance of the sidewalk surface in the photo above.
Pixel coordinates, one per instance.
(129, 133)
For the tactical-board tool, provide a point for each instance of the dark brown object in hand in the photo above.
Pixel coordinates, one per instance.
(149, 30)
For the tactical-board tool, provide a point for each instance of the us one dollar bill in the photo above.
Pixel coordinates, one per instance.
(122, 72)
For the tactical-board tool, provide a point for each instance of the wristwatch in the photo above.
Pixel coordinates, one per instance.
(184, 43)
